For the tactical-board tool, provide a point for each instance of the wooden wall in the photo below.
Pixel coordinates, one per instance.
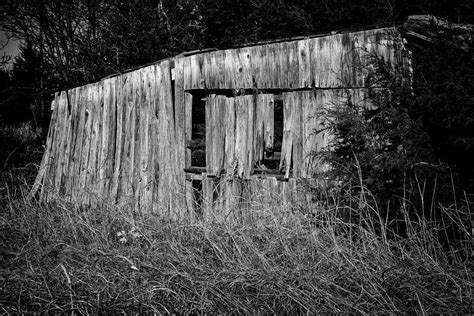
(123, 140)
(335, 61)
(115, 141)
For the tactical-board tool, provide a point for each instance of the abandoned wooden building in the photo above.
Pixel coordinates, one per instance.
(207, 131)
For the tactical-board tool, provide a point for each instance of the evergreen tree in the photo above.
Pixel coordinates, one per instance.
(22, 94)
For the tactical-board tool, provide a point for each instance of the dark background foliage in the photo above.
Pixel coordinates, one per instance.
(70, 43)
(415, 147)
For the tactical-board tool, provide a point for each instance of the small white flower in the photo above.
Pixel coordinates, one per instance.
(135, 234)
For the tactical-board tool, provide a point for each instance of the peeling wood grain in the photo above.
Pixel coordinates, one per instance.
(123, 139)
(287, 143)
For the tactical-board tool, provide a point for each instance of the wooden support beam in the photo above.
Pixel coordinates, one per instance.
(195, 170)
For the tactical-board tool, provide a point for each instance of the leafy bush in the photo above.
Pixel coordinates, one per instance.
(21, 150)
(410, 145)
(20, 144)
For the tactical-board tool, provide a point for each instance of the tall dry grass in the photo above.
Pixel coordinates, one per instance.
(62, 258)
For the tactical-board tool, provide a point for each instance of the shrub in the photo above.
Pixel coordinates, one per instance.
(393, 148)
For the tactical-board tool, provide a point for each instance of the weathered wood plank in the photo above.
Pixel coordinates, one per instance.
(108, 138)
(323, 99)
(162, 143)
(214, 63)
(87, 143)
(241, 121)
(102, 139)
(264, 79)
(236, 63)
(207, 70)
(92, 172)
(259, 126)
(60, 141)
(310, 128)
(287, 142)
(78, 147)
(255, 66)
(250, 161)
(64, 190)
(326, 57)
(156, 131)
(164, 155)
(128, 170)
(75, 129)
(219, 64)
(111, 135)
(215, 134)
(273, 66)
(125, 169)
(230, 142)
(356, 53)
(188, 108)
(282, 66)
(348, 71)
(304, 64)
(150, 137)
(218, 138)
(119, 137)
(293, 66)
(246, 66)
(98, 110)
(297, 131)
(174, 190)
(187, 72)
(141, 140)
(145, 205)
(87, 123)
(264, 127)
(196, 71)
(135, 138)
(229, 72)
(180, 128)
(210, 100)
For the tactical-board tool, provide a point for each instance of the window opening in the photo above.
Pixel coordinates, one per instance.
(271, 159)
(197, 144)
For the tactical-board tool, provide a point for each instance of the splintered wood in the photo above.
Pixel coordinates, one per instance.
(123, 140)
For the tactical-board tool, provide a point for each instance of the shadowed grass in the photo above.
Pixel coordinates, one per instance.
(61, 258)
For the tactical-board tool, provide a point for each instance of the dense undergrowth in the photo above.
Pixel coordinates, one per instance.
(61, 258)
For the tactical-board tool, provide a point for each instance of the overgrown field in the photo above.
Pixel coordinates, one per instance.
(60, 258)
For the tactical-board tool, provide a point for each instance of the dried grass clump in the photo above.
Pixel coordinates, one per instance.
(62, 258)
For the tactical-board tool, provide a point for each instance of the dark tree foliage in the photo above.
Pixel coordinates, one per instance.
(25, 86)
(414, 149)
(444, 101)
(76, 42)
(84, 40)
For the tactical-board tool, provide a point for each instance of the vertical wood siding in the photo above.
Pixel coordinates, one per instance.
(123, 139)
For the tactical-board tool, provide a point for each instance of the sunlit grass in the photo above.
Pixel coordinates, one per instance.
(62, 258)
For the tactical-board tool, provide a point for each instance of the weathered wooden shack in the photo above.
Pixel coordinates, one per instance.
(209, 132)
